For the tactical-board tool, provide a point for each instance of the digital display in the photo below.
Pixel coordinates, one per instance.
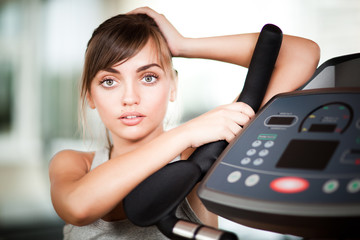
(281, 120)
(322, 128)
(307, 154)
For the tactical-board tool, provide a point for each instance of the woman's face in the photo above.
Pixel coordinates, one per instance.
(132, 96)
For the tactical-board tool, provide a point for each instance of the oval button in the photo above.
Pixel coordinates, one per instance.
(252, 180)
(289, 185)
(331, 186)
(234, 177)
(353, 186)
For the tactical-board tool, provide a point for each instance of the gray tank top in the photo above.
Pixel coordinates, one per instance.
(123, 229)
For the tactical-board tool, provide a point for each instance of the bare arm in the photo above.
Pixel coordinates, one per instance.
(81, 196)
(297, 60)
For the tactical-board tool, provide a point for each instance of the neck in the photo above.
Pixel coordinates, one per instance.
(122, 146)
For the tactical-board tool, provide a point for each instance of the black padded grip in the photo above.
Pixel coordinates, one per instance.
(257, 79)
(160, 194)
(261, 66)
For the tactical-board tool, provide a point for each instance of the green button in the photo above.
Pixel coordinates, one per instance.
(330, 186)
(354, 186)
(267, 136)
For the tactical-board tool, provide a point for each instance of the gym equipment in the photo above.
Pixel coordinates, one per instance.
(295, 169)
(176, 180)
(342, 71)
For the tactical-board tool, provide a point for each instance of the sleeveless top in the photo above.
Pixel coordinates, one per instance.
(123, 229)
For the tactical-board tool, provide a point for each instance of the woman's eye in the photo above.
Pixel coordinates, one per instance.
(108, 83)
(149, 79)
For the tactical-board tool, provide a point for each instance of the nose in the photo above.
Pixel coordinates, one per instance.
(130, 95)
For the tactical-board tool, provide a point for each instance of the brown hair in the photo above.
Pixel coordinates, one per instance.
(118, 39)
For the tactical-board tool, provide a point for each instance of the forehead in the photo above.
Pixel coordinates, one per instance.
(146, 58)
(148, 53)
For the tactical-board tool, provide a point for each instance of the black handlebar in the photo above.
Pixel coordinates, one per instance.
(261, 66)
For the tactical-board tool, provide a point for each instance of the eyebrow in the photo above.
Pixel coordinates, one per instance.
(143, 68)
(140, 69)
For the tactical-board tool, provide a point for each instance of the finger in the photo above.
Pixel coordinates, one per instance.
(235, 117)
(241, 107)
(143, 10)
(246, 109)
(235, 128)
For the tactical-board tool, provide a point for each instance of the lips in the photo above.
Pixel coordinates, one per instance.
(131, 118)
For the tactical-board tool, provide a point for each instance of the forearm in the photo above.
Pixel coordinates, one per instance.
(297, 60)
(91, 196)
(235, 49)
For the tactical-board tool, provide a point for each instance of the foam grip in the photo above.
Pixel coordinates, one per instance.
(160, 194)
(205, 155)
(257, 80)
(261, 66)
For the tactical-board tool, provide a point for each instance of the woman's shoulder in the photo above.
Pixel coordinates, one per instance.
(73, 157)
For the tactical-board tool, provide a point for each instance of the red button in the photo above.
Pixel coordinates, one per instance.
(289, 185)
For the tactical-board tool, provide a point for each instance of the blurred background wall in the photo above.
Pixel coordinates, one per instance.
(42, 44)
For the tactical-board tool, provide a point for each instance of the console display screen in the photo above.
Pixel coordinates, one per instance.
(307, 154)
(322, 128)
(281, 120)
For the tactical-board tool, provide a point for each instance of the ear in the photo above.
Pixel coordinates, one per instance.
(90, 101)
(173, 88)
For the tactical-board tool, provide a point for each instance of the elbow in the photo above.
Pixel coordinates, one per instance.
(305, 54)
(299, 51)
(309, 60)
(75, 214)
(312, 53)
(79, 217)
(299, 56)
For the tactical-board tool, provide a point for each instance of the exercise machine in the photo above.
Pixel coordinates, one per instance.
(295, 169)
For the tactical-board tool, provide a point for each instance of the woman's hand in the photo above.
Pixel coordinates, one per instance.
(174, 39)
(221, 123)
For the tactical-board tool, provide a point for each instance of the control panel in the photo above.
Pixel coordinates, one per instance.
(295, 168)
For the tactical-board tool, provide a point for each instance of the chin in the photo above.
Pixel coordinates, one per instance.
(136, 135)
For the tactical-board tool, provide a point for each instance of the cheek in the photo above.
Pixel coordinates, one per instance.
(157, 101)
(104, 104)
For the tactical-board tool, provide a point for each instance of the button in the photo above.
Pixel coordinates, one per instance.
(264, 136)
(256, 143)
(330, 186)
(269, 144)
(263, 153)
(258, 161)
(289, 185)
(353, 186)
(251, 152)
(234, 177)
(245, 161)
(252, 180)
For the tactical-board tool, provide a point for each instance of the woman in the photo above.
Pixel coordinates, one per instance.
(128, 78)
